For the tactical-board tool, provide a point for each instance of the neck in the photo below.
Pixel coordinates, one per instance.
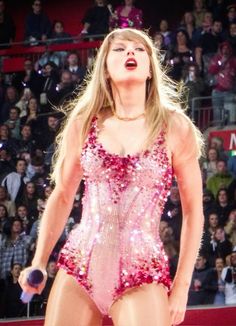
(15, 279)
(129, 100)
(14, 236)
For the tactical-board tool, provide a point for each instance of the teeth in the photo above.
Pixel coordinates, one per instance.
(131, 63)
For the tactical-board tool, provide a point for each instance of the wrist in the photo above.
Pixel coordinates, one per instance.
(181, 284)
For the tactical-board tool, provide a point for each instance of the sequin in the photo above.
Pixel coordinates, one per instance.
(117, 245)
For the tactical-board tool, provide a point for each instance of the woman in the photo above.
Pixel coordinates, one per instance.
(14, 247)
(32, 118)
(188, 24)
(209, 165)
(30, 198)
(126, 15)
(124, 136)
(181, 54)
(4, 220)
(4, 200)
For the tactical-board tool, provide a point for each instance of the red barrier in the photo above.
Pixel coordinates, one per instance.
(212, 316)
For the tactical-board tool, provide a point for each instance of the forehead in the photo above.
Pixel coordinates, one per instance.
(125, 41)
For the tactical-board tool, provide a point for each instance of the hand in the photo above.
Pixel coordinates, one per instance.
(44, 37)
(23, 280)
(177, 304)
(197, 284)
(174, 212)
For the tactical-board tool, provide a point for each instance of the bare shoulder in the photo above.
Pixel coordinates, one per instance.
(180, 127)
(184, 140)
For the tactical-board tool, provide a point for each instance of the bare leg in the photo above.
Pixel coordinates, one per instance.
(70, 305)
(145, 305)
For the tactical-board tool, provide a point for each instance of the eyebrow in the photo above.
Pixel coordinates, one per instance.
(115, 43)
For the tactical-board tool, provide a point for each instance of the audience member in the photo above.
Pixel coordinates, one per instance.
(188, 24)
(229, 278)
(232, 37)
(50, 80)
(40, 176)
(219, 246)
(214, 285)
(198, 12)
(29, 78)
(26, 143)
(207, 46)
(208, 202)
(166, 33)
(172, 213)
(230, 15)
(223, 206)
(13, 306)
(65, 89)
(51, 274)
(74, 65)
(38, 26)
(26, 219)
(23, 102)
(223, 67)
(10, 205)
(197, 293)
(126, 15)
(180, 55)
(58, 34)
(49, 131)
(7, 27)
(14, 122)
(32, 119)
(231, 165)
(195, 86)
(30, 197)
(7, 143)
(221, 179)
(14, 248)
(209, 165)
(4, 221)
(11, 98)
(171, 246)
(96, 19)
(230, 227)
(163, 51)
(14, 182)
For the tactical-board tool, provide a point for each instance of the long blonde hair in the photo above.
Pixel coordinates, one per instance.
(162, 96)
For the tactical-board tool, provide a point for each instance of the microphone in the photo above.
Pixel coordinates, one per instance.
(34, 279)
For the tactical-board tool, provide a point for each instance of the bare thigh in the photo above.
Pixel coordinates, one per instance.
(70, 305)
(146, 305)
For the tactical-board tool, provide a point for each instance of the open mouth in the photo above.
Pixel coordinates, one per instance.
(131, 64)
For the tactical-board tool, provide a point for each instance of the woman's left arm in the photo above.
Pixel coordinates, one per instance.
(188, 174)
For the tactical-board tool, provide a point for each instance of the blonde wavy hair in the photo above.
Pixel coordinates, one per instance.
(163, 96)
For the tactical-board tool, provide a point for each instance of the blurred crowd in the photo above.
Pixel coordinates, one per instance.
(201, 52)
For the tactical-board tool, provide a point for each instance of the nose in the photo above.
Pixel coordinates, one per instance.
(130, 52)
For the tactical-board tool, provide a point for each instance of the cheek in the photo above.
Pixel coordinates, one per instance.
(113, 65)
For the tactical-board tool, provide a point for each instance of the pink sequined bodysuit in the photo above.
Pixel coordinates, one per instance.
(117, 245)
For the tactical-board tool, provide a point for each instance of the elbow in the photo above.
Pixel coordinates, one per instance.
(62, 196)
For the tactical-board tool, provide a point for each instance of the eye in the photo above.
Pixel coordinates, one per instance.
(140, 49)
(118, 49)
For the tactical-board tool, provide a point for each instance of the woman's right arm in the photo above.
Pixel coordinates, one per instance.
(58, 205)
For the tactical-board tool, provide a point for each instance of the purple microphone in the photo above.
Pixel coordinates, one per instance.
(34, 279)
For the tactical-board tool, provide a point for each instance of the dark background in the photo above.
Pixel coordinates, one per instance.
(72, 11)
